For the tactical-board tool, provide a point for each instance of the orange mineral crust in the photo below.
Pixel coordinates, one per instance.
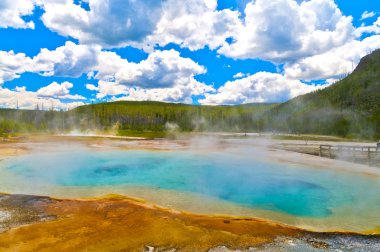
(122, 224)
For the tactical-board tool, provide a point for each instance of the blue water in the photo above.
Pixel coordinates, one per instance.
(235, 178)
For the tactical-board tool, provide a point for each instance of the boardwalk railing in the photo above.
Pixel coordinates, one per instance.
(363, 154)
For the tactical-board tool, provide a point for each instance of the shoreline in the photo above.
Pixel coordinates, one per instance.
(143, 203)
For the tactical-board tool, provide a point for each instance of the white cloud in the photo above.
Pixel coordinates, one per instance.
(334, 63)
(144, 24)
(109, 23)
(163, 76)
(12, 65)
(70, 60)
(30, 100)
(367, 14)
(92, 87)
(280, 31)
(13, 11)
(260, 87)
(182, 93)
(109, 88)
(194, 24)
(109, 63)
(160, 70)
(61, 91)
(285, 30)
(369, 29)
(175, 94)
(240, 75)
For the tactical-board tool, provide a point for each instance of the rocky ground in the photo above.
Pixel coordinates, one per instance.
(19, 210)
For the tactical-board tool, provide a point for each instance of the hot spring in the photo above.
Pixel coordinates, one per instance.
(229, 181)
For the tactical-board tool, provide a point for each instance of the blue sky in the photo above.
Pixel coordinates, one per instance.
(67, 53)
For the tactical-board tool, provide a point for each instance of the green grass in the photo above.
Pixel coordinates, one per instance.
(310, 138)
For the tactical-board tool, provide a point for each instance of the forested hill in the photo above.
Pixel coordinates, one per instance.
(350, 107)
(129, 118)
(159, 116)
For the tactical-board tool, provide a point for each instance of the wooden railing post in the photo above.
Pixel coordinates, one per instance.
(329, 151)
(362, 154)
(369, 156)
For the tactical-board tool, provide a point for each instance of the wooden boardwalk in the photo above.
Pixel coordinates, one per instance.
(361, 154)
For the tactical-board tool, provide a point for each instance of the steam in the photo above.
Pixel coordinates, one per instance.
(80, 133)
(171, 127)
(219, 166)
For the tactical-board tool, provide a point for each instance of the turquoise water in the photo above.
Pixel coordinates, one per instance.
(239, 179)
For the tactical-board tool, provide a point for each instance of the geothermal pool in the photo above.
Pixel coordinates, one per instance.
(218, 182)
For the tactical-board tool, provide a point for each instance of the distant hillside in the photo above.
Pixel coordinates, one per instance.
(158, 116)
(350, 107)
(130, 117)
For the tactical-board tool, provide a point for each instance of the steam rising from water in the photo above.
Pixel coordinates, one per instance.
(235, 172)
